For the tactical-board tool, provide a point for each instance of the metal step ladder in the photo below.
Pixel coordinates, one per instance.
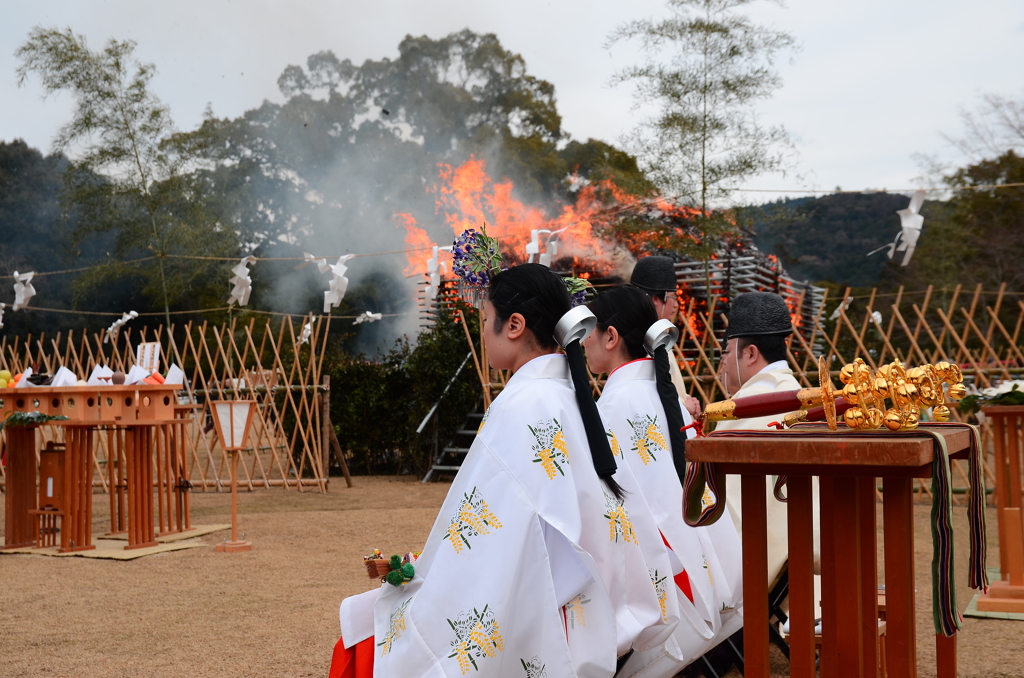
(448, 460)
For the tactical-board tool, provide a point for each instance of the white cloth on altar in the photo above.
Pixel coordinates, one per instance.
(773, 378)
(711, 555)
(527, 528)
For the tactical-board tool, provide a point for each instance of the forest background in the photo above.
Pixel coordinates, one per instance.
(353, 145)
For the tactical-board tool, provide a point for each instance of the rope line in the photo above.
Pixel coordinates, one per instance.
(208, 310)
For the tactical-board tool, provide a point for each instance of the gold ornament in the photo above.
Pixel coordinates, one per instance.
(957, 392)
(910, 421)
(940, 413)
(850, 394)
(875, 418)
(855, 417)
(846, 374)
(882, 387)
(893, 420)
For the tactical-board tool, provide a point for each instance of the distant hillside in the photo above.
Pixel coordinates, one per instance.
(828, 238)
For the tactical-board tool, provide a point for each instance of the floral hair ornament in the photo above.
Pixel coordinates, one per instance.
(475, 258)
(578, 289)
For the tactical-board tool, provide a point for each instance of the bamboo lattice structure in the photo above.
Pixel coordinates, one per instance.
(289, 442)
(976, 329)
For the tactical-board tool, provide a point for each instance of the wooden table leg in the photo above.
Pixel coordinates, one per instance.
(1002, 490)
(1013, 452)
(945, 656)
(868, 526)
(829, 658)
(20, 489)
(755, 577)
(800, 512)
(901, 631)
(849, 625)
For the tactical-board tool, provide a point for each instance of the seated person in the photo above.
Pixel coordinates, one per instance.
(641, 407)
(534, 565)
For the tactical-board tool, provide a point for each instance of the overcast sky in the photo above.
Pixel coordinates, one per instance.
(874, 83)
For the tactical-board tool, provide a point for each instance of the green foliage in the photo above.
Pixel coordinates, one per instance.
(329, 167)
(377, 404)
(29, 419)
(131, 176)
(828, 238)
(973, 403)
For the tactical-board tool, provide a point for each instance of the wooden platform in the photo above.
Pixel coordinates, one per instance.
(847, 466)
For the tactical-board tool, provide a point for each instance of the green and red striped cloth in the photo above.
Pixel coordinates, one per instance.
(945, 612)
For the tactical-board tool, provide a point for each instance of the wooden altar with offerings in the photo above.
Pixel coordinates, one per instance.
(140, 418)
(847, 464)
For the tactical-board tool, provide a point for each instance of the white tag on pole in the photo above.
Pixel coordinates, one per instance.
(147, 356)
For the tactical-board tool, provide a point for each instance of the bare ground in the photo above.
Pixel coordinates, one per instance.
(274, 611)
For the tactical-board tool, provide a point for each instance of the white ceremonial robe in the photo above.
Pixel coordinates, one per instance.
(531, 566)
(775, 377)
(711, 556)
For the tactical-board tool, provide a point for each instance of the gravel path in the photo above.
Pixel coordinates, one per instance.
(274, 611)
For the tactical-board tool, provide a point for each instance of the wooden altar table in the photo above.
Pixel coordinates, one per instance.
(847, 467)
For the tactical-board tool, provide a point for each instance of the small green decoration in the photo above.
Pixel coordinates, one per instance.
(973, 403)
(578, 289)
(29, 419)
(400, 572)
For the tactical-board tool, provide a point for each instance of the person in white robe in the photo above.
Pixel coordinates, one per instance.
(656, 277)
(646, 417)
(754, 362)
(544, 559)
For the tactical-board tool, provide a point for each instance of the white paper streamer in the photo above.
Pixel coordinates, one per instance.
(115, 327)
(338, 285)
(241, 282)
(367, 317)
(23, 290)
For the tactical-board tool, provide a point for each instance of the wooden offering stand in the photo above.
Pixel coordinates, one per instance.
(135, 414)
(847, 466)
(1007, 594)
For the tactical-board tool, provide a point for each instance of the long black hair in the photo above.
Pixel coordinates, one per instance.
(631, 312)
(542, 298)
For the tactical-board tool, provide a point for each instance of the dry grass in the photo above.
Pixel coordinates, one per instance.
(274, 611)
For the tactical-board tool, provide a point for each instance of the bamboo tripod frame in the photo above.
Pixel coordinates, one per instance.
(288, 445)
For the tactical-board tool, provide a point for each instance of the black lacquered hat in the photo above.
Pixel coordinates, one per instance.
(655, 274)
(758, 313)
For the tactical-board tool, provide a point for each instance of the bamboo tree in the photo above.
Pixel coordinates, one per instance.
(704, 69)
(128, 173)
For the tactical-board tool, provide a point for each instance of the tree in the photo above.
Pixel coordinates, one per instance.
(130, 175)
(997, 126)
(704, 138)
(327, 170)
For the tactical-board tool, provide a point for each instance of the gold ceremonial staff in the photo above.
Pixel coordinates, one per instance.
(862, 400)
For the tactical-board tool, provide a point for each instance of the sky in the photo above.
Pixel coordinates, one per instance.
(874, 82)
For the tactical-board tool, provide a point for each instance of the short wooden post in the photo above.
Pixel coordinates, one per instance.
(325, 436)
(235, 545)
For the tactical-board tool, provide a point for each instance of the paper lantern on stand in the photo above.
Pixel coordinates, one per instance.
(233, 419)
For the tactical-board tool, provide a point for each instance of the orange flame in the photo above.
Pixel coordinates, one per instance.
(418, 242)
(466, 197)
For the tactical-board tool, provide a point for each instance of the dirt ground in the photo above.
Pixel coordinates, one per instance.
(274, 611)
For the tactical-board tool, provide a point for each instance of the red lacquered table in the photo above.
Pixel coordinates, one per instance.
(847, 467)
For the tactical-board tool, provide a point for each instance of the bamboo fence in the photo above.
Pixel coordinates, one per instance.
(978, 330)
(290, 437)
